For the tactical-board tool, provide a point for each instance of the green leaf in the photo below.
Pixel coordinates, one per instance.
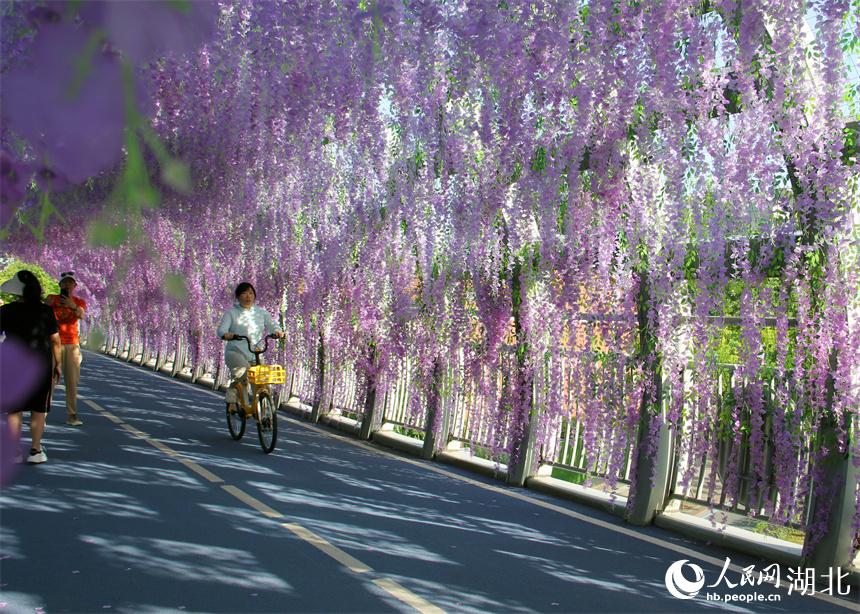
(174, 285)
(177, 175)
(95, 339)
(104, 233)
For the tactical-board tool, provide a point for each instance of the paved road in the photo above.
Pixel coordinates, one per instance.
(151, 507)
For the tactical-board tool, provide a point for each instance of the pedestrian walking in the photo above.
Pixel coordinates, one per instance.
(32, 324)
(68, 309)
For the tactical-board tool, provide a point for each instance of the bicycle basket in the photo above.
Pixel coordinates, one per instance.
(267, 374)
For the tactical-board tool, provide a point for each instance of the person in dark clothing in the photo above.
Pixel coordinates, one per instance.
(33, 325)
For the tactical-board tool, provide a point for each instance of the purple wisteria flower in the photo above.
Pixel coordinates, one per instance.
(532, 211)
(20, 370)
(14, 177)
(143, 30)
(68, 101)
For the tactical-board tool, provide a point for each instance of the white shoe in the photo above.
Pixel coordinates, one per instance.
(37, 457)
(231, 397)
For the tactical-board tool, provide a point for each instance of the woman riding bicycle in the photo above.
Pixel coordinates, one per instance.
(246, 320)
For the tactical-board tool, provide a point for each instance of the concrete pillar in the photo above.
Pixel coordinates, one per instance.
(650, 499)
(432, 446)
(525, 447)
(319, 406)
(369, 417)
(834, 549)
(177, 358)
(521, 465)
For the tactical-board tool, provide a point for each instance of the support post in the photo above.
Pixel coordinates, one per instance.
(368, 415)
(292, 387)
(132, 350)
(522, 463)
(835, 548)
(526, 446)
(434, 396)
(650, 497)
(316, 410)
(177, 357)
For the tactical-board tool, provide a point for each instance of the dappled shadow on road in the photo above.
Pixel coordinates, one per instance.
(185, 561)
(93, 503)
(241, 518)
(123, 543)
(368, 507)
(126, 506)
(151, 476)
(435, 535)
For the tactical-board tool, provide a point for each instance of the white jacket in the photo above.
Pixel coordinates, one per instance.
(252, 323)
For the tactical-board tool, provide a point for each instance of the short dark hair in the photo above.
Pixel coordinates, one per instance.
(243, 287)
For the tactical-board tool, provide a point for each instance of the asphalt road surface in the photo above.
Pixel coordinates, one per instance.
(150, 506)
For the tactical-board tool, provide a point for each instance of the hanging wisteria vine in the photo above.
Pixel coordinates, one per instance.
(590, 187)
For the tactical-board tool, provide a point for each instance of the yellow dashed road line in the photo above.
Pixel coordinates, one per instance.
(389, 586)
(133, 430)
(157, 444)
(199, 470)
(408, 597)
(252, 502)
(103, 412)
(333, 551)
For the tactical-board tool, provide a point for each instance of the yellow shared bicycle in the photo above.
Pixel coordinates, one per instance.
(264, 403)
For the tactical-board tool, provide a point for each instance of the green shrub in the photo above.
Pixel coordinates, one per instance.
(49, 284)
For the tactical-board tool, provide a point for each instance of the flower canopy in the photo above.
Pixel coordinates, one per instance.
(607, 188)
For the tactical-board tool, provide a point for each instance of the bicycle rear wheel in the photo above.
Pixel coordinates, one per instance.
(235, 420)
(267, 424)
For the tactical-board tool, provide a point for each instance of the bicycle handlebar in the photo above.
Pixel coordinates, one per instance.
(252, 350)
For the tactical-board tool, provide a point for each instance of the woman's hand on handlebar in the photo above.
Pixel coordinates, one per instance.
(277, 335)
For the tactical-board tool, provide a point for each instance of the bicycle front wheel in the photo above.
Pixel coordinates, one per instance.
(235, 420)
(267, 423)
